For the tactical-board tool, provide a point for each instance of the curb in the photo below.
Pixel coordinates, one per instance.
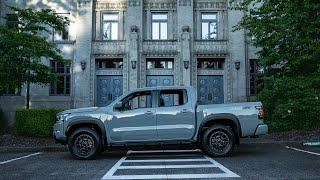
(33, 149)
(65, 149)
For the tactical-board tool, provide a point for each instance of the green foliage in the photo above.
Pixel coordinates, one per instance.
(288, 33)
(35, 122)
(292, 102)
(23, 48)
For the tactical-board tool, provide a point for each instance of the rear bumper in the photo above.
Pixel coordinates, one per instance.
(261, 129)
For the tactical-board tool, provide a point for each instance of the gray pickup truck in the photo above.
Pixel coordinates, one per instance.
(158, 116)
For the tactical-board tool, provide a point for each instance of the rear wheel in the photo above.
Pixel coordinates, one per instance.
(84, 143)
(218, 140)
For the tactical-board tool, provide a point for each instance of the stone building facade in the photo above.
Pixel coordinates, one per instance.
(119, 45)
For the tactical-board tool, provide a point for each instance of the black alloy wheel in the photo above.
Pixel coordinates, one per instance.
(84, 143)
(218, 140)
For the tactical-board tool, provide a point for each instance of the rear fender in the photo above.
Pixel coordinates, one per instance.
(223, 119)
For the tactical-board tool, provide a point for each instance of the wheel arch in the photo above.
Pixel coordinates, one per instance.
(94, 124)
(221, 119)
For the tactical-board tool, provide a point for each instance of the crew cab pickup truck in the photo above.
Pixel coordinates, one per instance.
(158, 115)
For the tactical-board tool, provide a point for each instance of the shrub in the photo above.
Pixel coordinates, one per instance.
(292, 103)
(35, 122)
(3, 123)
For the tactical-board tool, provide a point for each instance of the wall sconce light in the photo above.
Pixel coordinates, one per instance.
(237, 64)
(134, 64)
(83, 65)
(186, 64)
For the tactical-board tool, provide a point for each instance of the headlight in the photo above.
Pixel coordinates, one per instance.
(61, 117)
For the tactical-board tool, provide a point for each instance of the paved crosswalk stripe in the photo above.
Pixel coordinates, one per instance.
(213, 164)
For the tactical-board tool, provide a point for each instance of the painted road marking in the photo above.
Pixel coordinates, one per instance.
(309, 152)
(4, 162)
(149, 158)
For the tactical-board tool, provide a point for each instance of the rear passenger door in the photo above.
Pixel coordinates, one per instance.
(175, 117)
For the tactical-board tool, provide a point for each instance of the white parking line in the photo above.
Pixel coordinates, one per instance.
(213, 164)
(4, 162)
(309, 152)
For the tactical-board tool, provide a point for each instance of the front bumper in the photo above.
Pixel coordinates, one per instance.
(261, 129)
(58, 133)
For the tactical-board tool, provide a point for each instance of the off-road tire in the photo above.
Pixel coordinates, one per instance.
(218, 141)
(84, 143)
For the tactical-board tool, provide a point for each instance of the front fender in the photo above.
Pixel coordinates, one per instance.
(83, 121)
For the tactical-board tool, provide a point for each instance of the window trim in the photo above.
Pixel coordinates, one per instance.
(65, 74)
(110, 21)
(62, 35)
(159, 21)
(209, 21)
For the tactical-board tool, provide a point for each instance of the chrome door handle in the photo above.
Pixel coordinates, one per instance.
(184, 111)
(148, 113)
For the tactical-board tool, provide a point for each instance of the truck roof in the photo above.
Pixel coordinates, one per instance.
(163, 87)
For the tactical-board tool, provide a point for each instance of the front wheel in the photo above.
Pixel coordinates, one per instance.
(84, 143)
(218, 140)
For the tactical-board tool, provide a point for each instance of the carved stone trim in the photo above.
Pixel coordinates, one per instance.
(84, 3)
(209, 5)
(159, 5)
(111, 5)
(160, 48)
(184, 2)
(109, 72)
(159, 72)
(134, 3)
(228, 80)
(92, 79)
(211, 47)
(109, 47)
(210, 72)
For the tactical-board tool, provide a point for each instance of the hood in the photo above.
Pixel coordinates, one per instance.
(79, 110)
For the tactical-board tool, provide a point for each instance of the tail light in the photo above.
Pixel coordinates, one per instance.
(260, 109)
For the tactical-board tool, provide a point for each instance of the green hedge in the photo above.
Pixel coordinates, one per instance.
(3, 123)
(35, 122)
(291, 103)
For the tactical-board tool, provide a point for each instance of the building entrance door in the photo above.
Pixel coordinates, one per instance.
(153, 81)
(109, 88)
(210, 89)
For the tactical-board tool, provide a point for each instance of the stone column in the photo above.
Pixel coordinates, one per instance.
(81, 64)
(133, 58)
(134, 27)
(185, 26)
(237, 53)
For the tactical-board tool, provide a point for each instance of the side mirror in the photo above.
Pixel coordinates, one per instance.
(118, 106)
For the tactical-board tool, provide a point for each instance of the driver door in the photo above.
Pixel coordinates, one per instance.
(135, 119)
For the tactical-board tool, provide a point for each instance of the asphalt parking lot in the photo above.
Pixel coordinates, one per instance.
(248, 161)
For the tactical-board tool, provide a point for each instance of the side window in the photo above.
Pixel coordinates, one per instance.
(172, 98)
(137, 100)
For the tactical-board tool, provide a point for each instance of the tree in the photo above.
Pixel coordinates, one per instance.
(288, 32)
(23, 48)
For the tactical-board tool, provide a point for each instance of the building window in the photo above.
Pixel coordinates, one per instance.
(162, 63)
(59, 35)
(209, 26)
(111, 63)
(11, 91)
(256, 76)
(62, 85)
(110, 26)
(159, 26)
(210, 63)
(12, 21)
